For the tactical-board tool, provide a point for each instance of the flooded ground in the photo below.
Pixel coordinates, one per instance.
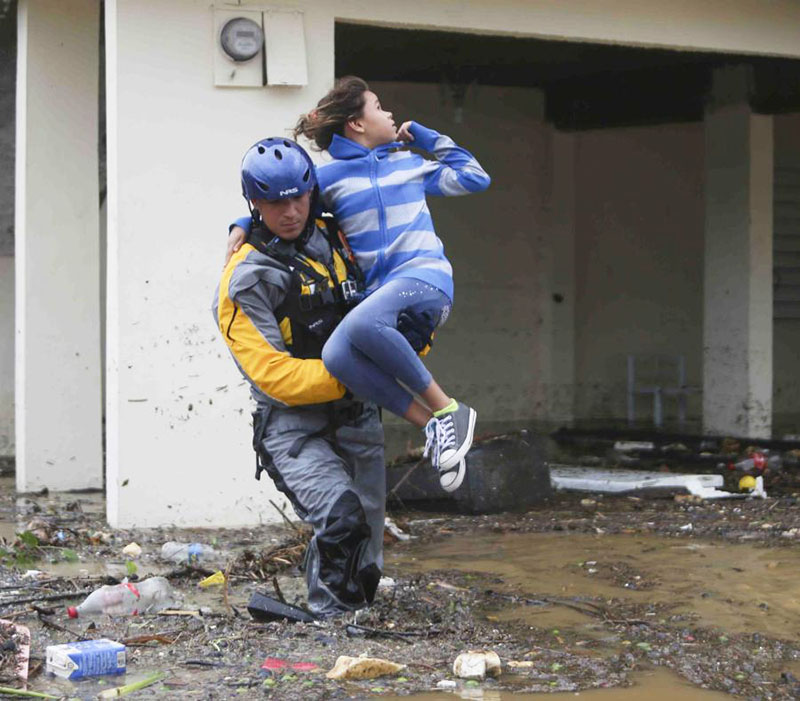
(628, 598)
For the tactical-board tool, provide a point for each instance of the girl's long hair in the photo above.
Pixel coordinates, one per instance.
(345, 101)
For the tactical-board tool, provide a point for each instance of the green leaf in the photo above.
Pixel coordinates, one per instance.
(28, 539)
(131, 568)
(643, 646)
(471, 682)
(69, 555)
(555, 666)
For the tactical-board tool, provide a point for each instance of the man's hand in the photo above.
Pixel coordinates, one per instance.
(235, 240)
(403, 133)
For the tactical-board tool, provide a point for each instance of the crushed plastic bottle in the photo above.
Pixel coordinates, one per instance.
(190, 553)
(127, 599)
(757, 463)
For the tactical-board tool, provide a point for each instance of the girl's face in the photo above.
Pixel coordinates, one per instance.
(375, 124)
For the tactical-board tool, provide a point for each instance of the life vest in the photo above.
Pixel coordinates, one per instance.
(319, 294)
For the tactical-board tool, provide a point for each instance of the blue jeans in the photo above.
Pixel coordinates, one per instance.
(367, 353)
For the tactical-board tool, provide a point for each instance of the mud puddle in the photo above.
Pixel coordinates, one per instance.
(656, 685)
(736, 587)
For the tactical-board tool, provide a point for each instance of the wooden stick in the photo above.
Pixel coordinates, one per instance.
(405, 477)
(285, 517)
(47, 597)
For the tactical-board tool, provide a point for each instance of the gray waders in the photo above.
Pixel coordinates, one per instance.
(328, 460)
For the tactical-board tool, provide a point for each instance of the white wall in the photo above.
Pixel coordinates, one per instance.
(177, 434)
(7, 357)
(639, 243)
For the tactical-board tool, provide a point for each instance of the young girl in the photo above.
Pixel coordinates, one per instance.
(376, 189)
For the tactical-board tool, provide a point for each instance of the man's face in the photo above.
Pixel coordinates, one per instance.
(285, 218)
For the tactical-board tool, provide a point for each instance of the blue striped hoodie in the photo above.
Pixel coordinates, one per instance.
(378, 198)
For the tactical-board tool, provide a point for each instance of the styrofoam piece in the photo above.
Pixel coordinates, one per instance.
(634, 446)
(591, 479)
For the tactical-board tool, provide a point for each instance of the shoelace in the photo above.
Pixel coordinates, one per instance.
(440, 434)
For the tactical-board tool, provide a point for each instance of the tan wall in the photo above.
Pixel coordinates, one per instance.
(639, 254)
(786, 341)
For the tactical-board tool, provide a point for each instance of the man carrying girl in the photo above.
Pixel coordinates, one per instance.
(376, 188)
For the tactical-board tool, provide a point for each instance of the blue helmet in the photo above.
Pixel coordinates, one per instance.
(277, 168)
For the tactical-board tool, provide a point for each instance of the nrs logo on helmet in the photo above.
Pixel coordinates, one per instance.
(291, 191)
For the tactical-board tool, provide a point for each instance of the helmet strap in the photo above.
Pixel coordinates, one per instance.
(303, 239)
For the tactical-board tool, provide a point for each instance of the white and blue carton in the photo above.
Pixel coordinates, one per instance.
(88, 658)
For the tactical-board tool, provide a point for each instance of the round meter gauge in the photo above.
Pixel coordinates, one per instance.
(241, 38)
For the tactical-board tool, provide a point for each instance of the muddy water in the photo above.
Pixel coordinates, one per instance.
(656, 685)
(733, 587)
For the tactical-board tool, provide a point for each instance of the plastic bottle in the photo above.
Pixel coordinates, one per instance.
(757, 463)
(189, 553)
(127, 599)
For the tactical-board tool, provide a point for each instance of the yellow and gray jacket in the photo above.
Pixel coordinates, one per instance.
(275, 308)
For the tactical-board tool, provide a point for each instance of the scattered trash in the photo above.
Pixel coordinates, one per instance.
(730, 446)
(264, 608)
(446, 684)
(129, 688)
(687, 527)
(477, 665)
(362, 668)
(391, 527)
(98, 537)
(132, 550)
(634, 446)
(190, 553)
(214, 580)
(87, 658)
(757, 463)
(386, 583)
(275, 663)
(127, 599)
(589, 504)
(674, 448)
(16, 638)
(747, 483)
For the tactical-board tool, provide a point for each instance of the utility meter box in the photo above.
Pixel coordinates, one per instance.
(253, 48)
(239, 48)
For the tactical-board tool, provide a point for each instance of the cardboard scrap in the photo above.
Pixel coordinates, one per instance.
(362, 668)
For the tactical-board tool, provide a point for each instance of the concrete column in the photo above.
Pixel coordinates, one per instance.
(6, 360)
(737, 328)
(557, 281)
(58, 405)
